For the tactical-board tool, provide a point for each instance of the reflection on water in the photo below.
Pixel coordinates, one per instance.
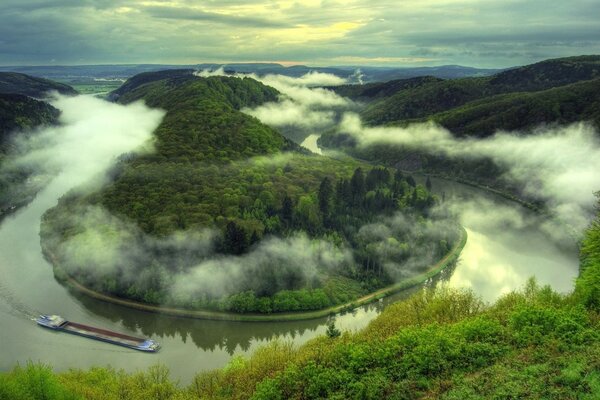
(507, 244)
(504, 248)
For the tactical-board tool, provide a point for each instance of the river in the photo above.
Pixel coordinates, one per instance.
(506, 246)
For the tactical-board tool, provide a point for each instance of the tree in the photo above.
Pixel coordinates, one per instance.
(332, 331)
(428, 184)
(325, 193)
(357, 186)
(343, 194)
(287, 210)
(411, 181)
(235, 240)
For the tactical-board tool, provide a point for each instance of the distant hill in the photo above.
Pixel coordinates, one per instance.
(203, 121)
(19, 112)
(83, 73)
(149, 77)
(12, 82)
(406, 100)
(551, 92)
(525, 110)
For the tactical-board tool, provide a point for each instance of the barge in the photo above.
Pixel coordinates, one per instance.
(58, 323)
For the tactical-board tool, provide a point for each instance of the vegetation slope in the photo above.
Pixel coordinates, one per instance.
(549, 93)
(237, 184)
(14, 82)
(402, 100)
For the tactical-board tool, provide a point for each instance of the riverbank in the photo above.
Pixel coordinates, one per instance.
(434, 270)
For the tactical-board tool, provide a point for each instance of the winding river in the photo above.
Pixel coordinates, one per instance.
(506, 246)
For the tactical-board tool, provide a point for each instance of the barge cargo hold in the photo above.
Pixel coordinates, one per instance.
(58, 323)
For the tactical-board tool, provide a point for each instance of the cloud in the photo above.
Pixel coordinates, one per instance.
(275, 264)
(195, 14)
(303, 105)
(493, 34)
(91, 135)
(557, 165)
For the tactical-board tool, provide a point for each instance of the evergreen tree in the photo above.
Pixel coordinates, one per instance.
(325, 194)
(357, 187)
(287, 210)
(235, 240)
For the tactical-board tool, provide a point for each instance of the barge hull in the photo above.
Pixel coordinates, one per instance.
(102, 335)
(57, 323)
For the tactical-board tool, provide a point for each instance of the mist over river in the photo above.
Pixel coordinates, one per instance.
(506, 246)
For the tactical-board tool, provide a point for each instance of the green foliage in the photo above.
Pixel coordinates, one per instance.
(34, 381)
(13, 82)
(397, 101)
(587, 287)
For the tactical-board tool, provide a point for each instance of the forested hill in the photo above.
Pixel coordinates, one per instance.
(398, 101)
(215, 169)
(18, 112)
(13, 82)
(524, 111)
(148, 77)
(203, 121)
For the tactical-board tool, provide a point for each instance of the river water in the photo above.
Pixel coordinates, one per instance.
(506, 246)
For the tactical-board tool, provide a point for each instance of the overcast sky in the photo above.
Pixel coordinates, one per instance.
(483, 33)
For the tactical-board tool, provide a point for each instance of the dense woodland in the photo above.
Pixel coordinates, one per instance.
(418, 98)
(216, 168)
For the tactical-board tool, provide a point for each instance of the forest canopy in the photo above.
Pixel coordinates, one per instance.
(226, 213)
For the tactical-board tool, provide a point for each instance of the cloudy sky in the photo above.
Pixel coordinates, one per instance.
(483, 33)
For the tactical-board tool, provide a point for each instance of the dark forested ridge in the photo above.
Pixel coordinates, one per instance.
(546, 94)
(19, 113)
(397, 101)
(13, 82)
(215, 168)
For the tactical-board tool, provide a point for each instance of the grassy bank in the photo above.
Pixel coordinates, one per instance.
(434, 270)
(442, 344)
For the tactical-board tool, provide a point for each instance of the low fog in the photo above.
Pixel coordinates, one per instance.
(555, 164)
(91, 135)
(186, 263)
(304, 108)
(558, 165)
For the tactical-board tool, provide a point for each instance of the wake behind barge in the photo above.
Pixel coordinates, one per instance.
(58, 323)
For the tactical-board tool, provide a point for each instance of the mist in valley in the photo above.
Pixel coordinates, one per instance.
(94, 134)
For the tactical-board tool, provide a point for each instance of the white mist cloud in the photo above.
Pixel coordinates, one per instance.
(275, 264)
(303, 103)
(288, 112)
(106, 246)
(91, 135)
(558, 165)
